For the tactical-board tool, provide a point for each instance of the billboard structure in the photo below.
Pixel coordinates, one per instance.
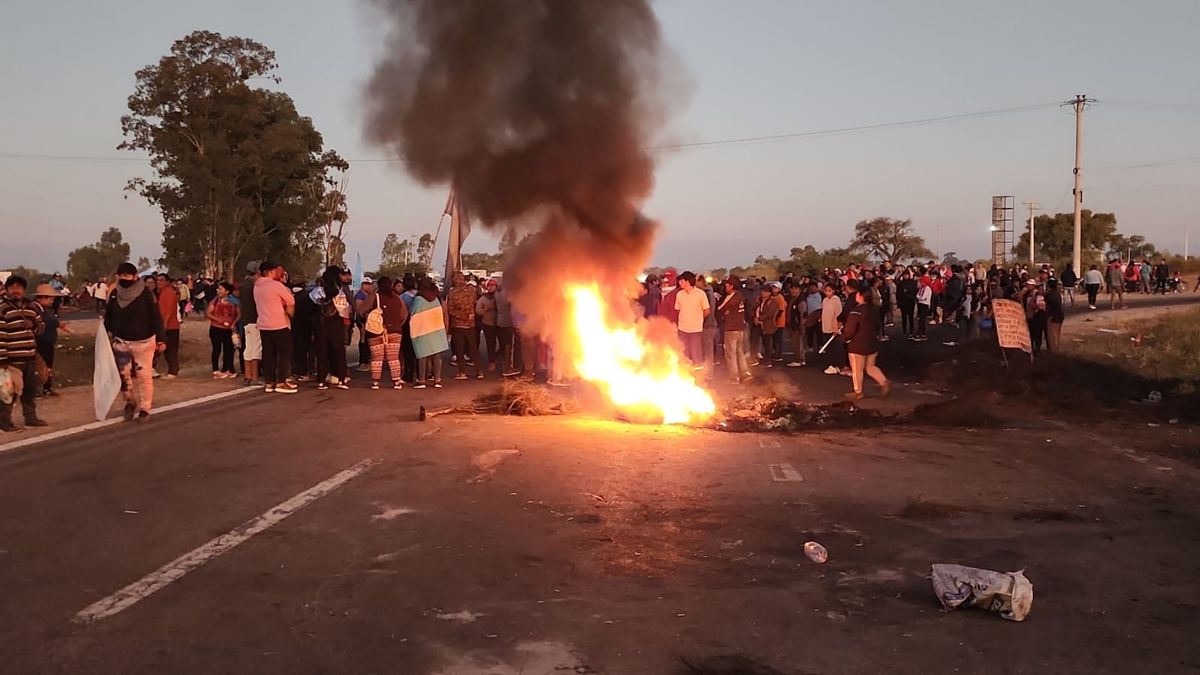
(1002, 228)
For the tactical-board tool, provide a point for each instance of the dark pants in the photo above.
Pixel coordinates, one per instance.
(922, 319)
(277, 355)
(505, 336)
(222, 349)
(464, 344)
(46, 351)
(302, 348)
(409, 355)
(1092, 290)
(908, 318)
(171, 354)
(1037, 330)
(491, 342)
(768, 345)
(331, 348)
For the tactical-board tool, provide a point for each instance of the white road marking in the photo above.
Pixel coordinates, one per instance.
(465, 616)
(63, 433)
(785, 473)
(391, 513)
(177, 568)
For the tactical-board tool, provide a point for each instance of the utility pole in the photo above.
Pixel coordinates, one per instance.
(1079, 103)
(1032, 255)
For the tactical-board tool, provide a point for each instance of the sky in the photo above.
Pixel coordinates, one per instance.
(746, 69)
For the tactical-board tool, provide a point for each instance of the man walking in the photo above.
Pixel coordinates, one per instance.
(20, 324)
(274, 307)
(135, 323)
(692, 308)
(1116, 285)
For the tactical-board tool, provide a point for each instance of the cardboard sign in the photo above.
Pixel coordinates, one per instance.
(1011, 329)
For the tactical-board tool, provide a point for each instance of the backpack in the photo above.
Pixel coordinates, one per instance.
(374, 322)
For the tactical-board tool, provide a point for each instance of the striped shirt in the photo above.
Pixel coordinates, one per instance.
(20, 324)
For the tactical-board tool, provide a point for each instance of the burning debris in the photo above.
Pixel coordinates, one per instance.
(743, 415)
(540, 113)
(513, 397)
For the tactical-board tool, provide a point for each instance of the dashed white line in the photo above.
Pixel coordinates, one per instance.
(177, 568)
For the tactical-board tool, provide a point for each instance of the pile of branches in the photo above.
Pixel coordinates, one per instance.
(775, 414)
(514, 397)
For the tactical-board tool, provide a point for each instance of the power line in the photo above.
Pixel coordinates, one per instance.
(675, 146)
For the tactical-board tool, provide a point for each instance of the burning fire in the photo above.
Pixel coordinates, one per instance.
(641, 376)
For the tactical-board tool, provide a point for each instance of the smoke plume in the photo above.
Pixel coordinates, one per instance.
(539, 112)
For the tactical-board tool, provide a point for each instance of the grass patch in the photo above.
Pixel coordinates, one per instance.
(1165, 349)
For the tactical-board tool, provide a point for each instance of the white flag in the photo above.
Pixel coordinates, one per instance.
(106, 379)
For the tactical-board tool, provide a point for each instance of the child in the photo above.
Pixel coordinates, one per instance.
(47, 296)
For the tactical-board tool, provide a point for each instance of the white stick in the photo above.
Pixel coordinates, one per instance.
(827, 342)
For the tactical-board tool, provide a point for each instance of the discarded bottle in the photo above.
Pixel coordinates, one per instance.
(815, 552)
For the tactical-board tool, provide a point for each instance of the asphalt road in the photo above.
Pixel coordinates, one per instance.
(476, 545)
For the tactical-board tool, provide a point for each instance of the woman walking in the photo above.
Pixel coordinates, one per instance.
(861, 334)
(385, 333)
(427, 326)
(223, 314)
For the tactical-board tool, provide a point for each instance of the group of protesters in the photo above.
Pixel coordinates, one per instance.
(280, 333)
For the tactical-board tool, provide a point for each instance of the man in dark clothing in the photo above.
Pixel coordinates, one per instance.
(135, 323)
(1162, 273)
(1054, 315)
(20, 324)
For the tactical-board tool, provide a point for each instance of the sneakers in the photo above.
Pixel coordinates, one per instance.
(286, 388)
(437, 385)
(460, 376)
(129, 411)
(156, 375)
(419, 385)
(364, 368)
(375, 386)
(322, 387)
(795, 364)
(269, 388)
(344, 384)
(831, 370)
(169, 376)
(143, 416)
(479, 376)
(36, 422)
(511, 373)
(398, 385)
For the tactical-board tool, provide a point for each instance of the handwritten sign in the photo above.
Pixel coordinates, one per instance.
(1011, 329)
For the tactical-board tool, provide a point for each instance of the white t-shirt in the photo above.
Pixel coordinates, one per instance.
(100, 291)
(1093, 277)
(691, 303)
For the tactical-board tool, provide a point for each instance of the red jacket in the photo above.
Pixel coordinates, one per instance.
(168, 307)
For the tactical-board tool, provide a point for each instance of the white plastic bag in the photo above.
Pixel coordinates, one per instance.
(1009, 594)
(106, 379)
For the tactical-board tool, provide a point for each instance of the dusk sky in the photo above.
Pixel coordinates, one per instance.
(751, 69)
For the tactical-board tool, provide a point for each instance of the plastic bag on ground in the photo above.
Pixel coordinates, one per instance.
(106, 379)
(1009, 594)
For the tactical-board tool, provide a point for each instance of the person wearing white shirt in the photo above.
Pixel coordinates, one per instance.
(693, 307)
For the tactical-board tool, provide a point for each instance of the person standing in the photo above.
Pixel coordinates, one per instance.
(223, 315)
(862, 343)
(1054, 315)
(924, 305)
(1069, 280)
(691, 308)
(48, 297)
(460, 306)
(100, 293)
(385, 344)
(275, 306)
(732, 316)
(510, 348)
(1034, 302)
(485, 310)
(133, 320)
(831, 309)
(906, 300)
(168, 309)
(427, 325)
(770, 316)
(797, 307)
(333, 322)
(1116, 285)
(252, 345)
(1092, 280)
(1162, 274)
(21, 321)
(364, 302)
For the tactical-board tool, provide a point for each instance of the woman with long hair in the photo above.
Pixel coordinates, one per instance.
(861, 334)
(385, 345)
(333, 320)
(223, 315)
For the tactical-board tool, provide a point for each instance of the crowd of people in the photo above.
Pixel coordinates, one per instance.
(280, 334)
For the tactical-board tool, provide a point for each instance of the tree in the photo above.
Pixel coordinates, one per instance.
(425, 250)
(31, 276)
(491, 262)
(143, 262)
(394, 254)
(99, 259)
(808, 260)
(1055, 236)
(889, 239)
(239, 173)
(1131, 247)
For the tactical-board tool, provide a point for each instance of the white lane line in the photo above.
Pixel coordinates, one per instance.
(177, 568)
(62, 433)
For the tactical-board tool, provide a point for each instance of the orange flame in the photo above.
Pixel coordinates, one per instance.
(641, 376)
